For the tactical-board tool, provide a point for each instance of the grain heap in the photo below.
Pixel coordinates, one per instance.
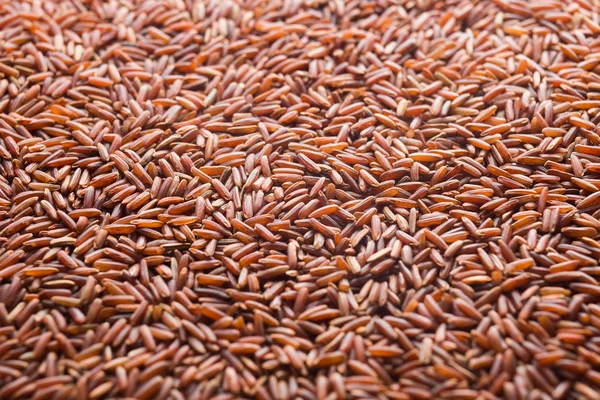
(392, 199)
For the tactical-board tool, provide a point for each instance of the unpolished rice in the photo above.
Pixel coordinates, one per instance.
(280, 199)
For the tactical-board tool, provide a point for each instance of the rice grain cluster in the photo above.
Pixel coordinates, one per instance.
(285, 199)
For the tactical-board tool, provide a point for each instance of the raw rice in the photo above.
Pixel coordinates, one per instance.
(390, 199)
